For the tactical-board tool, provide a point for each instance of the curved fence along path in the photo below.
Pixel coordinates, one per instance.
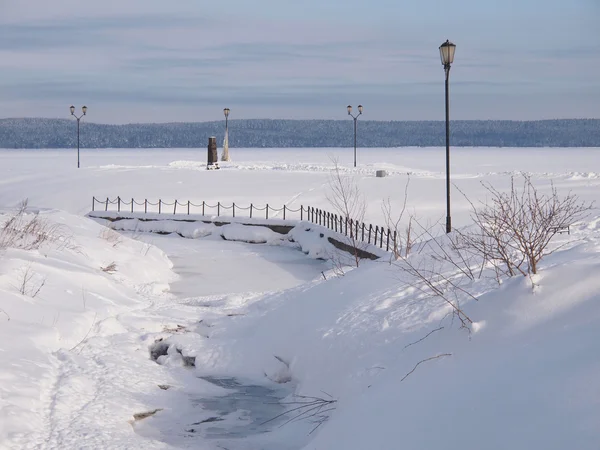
(382, 237)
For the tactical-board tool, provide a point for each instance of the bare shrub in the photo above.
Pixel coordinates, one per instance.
(437, 268)
(111, 236)
(513, 230)
(30, 283)
(28, 230)
(406, 235)
(345, 197)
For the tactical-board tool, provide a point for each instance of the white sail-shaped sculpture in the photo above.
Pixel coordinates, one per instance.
(225, 155)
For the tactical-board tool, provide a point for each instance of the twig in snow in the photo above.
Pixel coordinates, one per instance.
(424, 337)
(86, 334)
(308, 407)
(425, 360)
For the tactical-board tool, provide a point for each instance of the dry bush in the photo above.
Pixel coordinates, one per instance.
(111, 236)
(512, 233)
(513, 230)
(407, 235)
(29, 231)
(432, 270)
(30, 283)
(346, 199)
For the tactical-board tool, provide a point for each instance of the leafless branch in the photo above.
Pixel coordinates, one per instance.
(422, 361)
(424, 337)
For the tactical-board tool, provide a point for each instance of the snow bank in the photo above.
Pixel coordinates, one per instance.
(191, 230)
(152, 216)
(250, 233)
(52, 299)
(315, 241)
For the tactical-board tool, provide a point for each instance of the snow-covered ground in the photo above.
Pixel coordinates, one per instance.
(129, 339)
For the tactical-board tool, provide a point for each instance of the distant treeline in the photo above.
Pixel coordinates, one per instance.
(61, 133)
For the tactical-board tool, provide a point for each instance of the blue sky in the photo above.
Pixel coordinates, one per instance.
(185, 60)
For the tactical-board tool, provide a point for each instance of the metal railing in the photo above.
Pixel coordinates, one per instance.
(382, 237)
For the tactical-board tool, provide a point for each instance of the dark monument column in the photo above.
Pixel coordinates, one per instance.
(213, 155)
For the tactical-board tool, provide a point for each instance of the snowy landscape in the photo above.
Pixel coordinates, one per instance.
(167, 334)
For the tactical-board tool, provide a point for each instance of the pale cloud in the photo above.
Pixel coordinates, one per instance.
(140, 60)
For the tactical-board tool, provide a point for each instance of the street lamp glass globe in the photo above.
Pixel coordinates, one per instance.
(349, 109)
(447, 53)
(72, 108)
(226, 112)
(360, 108)
(84, 109)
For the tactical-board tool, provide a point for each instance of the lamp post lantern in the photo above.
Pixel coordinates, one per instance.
(225, 156)
(84, 111)
(447, 50)
(360, 111)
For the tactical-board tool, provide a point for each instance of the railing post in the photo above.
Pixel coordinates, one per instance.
(335, 222)
(188, 207)
(387, 246)
(251, 210)
(218, 209)
(93, 202)
(363, 232)
(132, 205)
(370, 229)
(376, 233)
(145, 205)
(346, 227)
(118, 204)
(175, 207)
(233, 208)
(301, 211)
(283, 212)
(202, 207)
(351, 229)
(106, 207)
(381, 239)
(267, 211)
(159, 205)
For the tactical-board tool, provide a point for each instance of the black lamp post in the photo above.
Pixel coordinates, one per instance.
(447, 54)
(360, 110)
(84, 110)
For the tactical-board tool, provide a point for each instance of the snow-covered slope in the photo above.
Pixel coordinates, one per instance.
(403, 372)
(51, 300)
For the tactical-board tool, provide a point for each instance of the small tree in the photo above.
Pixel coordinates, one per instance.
(345, 197)
(404, 237)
